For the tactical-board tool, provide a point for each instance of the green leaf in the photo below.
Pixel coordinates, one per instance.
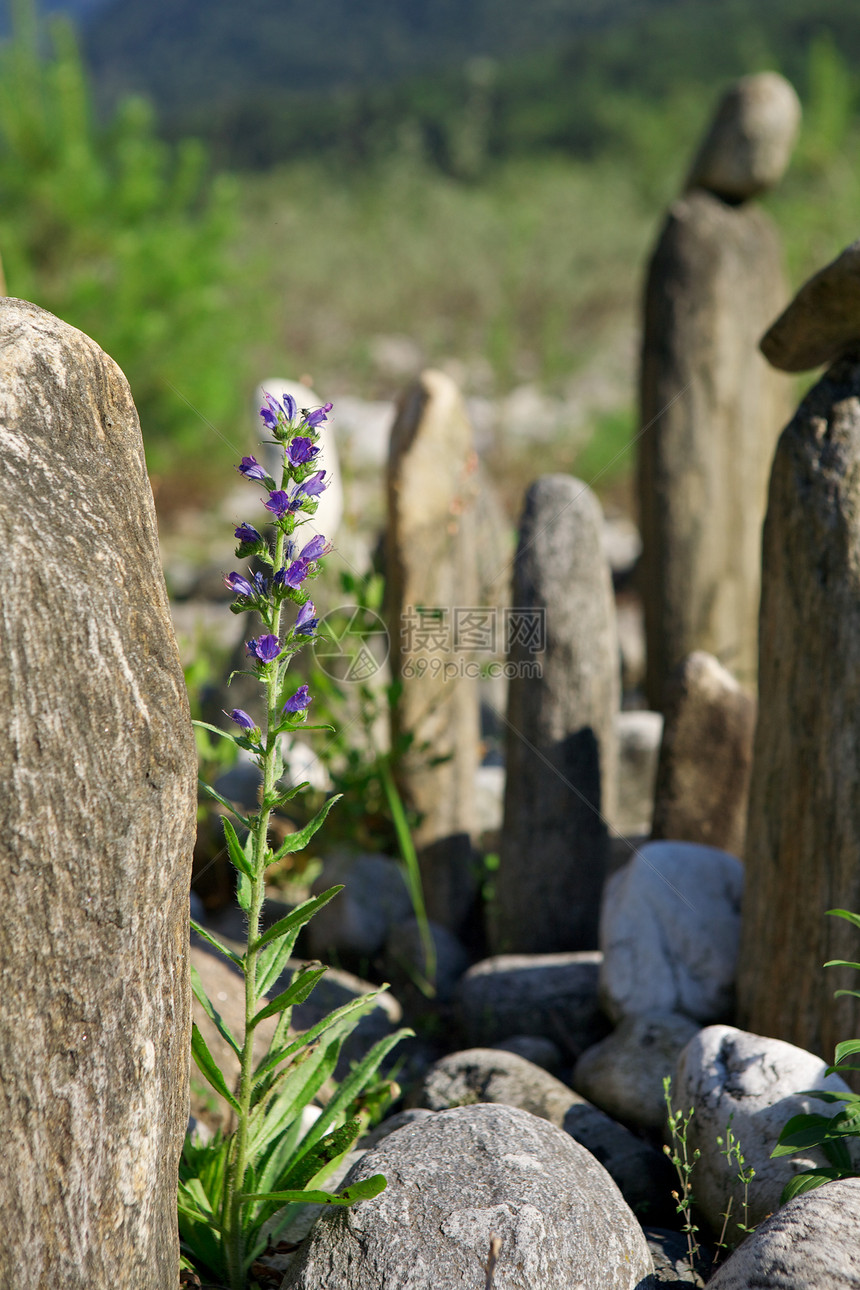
(842, 963)
(213, 941)
(828, 1095)
(806, 1181)
(215, 1017)
(238, 858)
(334, 1144)
(836, 1151)
(851, 994)
(366, 1189)
(209, 1067)
(244, 891)
(219, 797)
(299, 989)
(204, 725)
(297, 917)
(846, 1049)
(800, 1133)
(298, 841)
(846, 914)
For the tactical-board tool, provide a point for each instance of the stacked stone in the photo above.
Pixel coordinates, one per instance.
(711, 409)
(803, 837)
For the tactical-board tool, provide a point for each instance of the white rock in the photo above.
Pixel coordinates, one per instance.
(624, 1073)
(724, 1074)
(669, 929)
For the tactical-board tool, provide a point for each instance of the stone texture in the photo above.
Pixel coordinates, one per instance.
(550, 995)
(812, 1243)
(669, 932)
(822, 320)
(356, 923)
(405, 962)
(713, 411)
(431, 562)
(535, 1049)
(671, 1261)
(749, 143)
(803, 835)
(458, 1179)
(624, 1073)
(97, 803)
(561, 743)
(639, 735)
(703, 774)
(723, 1073)
(489, 1075)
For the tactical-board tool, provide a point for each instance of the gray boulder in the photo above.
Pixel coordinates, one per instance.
(405, 961)
(812, 1243)
(821, 321)
(356, 923)
(550, 995)
(728, 1075)
(458, 1180)
(750, 140)
(624, 1073)
(534, 1048)
(669, 932)
(671, 1259)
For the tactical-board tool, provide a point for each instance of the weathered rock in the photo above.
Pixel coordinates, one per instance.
(561, 745)
(431, 561)
(730, 1075)
(711, 410)
(803, 834)
(97, 802)
(356, 923)
(489, 1075)
(748, 146)
(534, 1048)
(461, 1178)
(639, 735)
(671, 1259)
(822, 320)
(705, 758)
(550, 995)
(329, 510)
(406, 961)
(624, 1073)
(669, 932)
(812, 1243)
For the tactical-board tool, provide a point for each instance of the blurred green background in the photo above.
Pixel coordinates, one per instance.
(219, 193)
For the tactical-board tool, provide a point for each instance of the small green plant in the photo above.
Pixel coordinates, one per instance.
(235, 1191)
(830, 1133)
(731, 1149)
(683, 1160)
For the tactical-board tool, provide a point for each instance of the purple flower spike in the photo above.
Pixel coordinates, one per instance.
(247, 533)
(300, 451)
(299, 701)
(270, 421)
(242, 719)
(265, 648)
(238, 585)
(306, 624)
(314, 485)
(295, 575)
(260, 583)
(315, 548)
(280, 503)
(251, 469)
(287, 405)
(318, 415)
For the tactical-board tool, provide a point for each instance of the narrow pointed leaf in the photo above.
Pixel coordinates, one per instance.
(219, 797)
(846, 914)
(215, 1017)
(236, 851)
(366, 1189)
(297, 917)
(842, 963)
(209, 1067)
(298, 841)
(204, 725)
(846, 1049)
(213, 941)
(297, 992)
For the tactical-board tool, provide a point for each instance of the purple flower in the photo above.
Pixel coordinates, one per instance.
(315, 548)
(306, 624)
(314, 485)
(247, 533)
(238, 585)
(318, 415)
(280, 503)
(299, 701)
(294, 576)
(251, 469)
(265, 648)
(271, 413)
(261, 583)
(242, 719)
(300, 451)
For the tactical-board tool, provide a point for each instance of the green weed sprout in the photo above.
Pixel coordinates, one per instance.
(731, 1149)
(680, 1156)
(830, 1133)
(235, 1191)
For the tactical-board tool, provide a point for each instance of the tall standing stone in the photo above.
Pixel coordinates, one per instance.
(561, 739)
(711, 409)
(432, 572)
(97, 810)
(803, 836)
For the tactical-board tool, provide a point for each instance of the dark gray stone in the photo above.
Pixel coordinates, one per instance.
(406, 965)
(534, 1048)
(672, 1263)
(561, 742)
(97, 804)
(553, 996)
(356, 923)
(803, 835)
(461, 1178)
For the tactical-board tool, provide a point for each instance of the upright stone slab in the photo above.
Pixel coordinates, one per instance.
(97, 810)
(432, 570)
(705, 758)
(803, 836)
(561, 738)
(710, 408)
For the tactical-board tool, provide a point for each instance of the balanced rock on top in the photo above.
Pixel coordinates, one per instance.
(748, 146)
